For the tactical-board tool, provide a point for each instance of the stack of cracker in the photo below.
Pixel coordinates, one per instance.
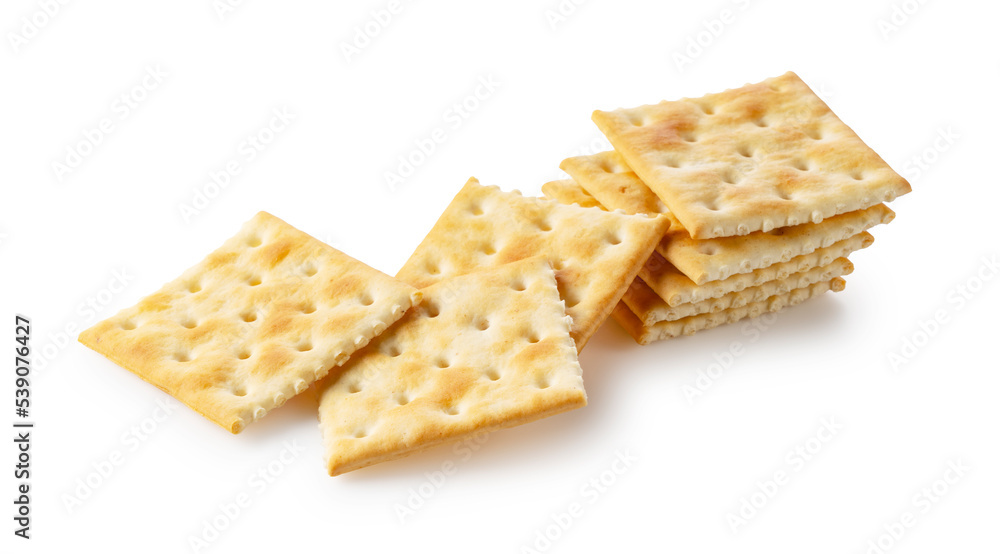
(767, 191)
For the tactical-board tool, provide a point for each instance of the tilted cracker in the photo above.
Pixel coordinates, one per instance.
(676, 289)
(649, 308)
(254, 323)
(756, 158)
(484, 351)
(566, 191)
(690, 325)
(606, 177)
(596, 253)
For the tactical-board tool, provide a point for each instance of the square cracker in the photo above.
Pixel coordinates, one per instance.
(650, 309)
(254, 323)
(609, 180)
(484, 351)
(763, 156)
(676, 289)
(596, 253)
(690, 325)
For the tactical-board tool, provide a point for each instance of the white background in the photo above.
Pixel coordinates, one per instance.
(65, 236)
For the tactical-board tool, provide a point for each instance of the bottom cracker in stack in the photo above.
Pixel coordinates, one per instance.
(688, 325)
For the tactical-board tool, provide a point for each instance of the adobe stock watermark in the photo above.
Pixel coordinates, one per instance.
(418, 496)
(247, 151)
(922, 502)
(956, 299)
(453, 118)
(899, 15)
(332, 239)
(101, 471)
(700, 41)
(86, 312)
(223, 8)
(122, 107)
(561, 12)
(257, 484)
(31, 25)
(920, 163)
(590, 493)
(724, 360)
(370, 29)
(795, 461)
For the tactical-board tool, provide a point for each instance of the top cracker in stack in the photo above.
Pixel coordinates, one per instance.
(756, 158)
(767, 191)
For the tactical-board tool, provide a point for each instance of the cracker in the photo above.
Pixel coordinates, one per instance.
(649, 308)
(254, 323)
(607, 177)
(676, 289)
(756, 158)
(705, 261)
(596, 253)
(690, 325)
(484, 351)
(566, 191)
(714, 259)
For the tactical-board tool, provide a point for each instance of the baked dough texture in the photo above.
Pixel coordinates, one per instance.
(676, 288)
(755, 158)
(566, 191)
(650, 309)
(607, 178)
(595, 253)
(254, 323)
(485, 350)
(690, 325)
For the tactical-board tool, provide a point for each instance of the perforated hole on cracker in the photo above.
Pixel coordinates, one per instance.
(710, 259)
(596, 253)
(437, 378)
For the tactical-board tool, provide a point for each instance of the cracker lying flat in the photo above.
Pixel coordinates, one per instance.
(763, 156)
(566, 191)
(608, 179)
(484, 351)
(650, 309)
(690, 325)
(254, 323)
(596, 253)
(676, 289)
